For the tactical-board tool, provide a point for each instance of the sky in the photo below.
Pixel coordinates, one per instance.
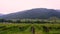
(11, 6)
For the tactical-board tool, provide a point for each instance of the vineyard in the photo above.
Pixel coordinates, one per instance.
(15, 28)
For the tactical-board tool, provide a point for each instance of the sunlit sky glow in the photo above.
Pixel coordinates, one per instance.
(10, 6)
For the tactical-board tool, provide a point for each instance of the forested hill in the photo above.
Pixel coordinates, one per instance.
(1, 14)
(37, 13)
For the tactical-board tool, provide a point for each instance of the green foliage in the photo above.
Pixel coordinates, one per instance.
(2, 20)
(18, 21)
(40, 21)
(15, 28)
(24, 28)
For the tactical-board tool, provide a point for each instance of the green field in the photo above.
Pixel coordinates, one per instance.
(19, 28)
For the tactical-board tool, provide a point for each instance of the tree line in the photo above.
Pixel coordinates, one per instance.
(26, 21)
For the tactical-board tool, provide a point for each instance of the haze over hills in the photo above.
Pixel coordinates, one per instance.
(1, 14)
(37, 13)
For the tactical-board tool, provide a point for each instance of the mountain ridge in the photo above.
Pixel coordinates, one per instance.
(1, 14)
(37, 13)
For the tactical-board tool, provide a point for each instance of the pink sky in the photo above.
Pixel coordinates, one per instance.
(10, 6)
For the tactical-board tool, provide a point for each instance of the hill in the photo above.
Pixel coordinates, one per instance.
(1, 14)
(37, 13)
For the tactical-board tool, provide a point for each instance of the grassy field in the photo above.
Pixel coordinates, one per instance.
(19, 28)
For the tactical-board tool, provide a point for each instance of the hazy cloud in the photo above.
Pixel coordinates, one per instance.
(9, 6)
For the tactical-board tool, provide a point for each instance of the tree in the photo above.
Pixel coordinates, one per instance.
(18, 21)
(2, 20)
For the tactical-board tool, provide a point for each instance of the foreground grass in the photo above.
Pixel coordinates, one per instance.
(15, 28)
